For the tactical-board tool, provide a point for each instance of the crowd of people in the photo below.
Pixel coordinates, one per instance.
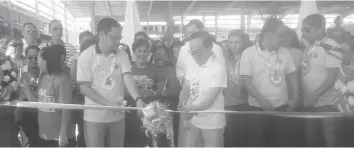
(276, 73)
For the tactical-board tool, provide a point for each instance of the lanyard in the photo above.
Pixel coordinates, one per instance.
(194, 75)
(234, 69)
(308, 51)
(267, 60)
(111, 67)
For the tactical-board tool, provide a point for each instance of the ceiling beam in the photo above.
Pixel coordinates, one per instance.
(149, 11)
(109, 8)
(254, 13)
(231, 4)
(261, 8)
(347, 12)
(97, 12)
(190, 6)
(289, 11)
(329, 9)
(228, 6)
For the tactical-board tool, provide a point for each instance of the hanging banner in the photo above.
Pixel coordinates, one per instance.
(131, 24)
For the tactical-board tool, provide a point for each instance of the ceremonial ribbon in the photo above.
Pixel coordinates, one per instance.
(99, 107)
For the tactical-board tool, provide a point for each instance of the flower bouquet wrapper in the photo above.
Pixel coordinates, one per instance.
(158, 121)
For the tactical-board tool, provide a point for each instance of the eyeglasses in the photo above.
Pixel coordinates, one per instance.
(116, 38)
(58, 29)
(195, 53)
(31, 30)
(35, 58)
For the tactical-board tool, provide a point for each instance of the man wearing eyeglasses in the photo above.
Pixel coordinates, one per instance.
(202, 91)
(103, 72)
(29, 35)
(320, 70)
(185, 60)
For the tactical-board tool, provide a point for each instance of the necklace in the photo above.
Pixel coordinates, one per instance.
(308, 54)
(194, 90)
(234, 71)
(275, 78)
(195, 86)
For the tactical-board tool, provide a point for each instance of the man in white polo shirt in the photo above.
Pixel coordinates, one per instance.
(102, 73)
(185, 60)
(202, 91)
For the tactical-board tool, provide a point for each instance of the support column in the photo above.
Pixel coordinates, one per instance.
(182, 26)
(216, 25)
(9, 19)
(38, 22)
(93, 20)
(66, 26)
(53, 8)
(242, 20)
(148, 26)
(341, 19)
(170, 25)
(203, 19)
(248, 23)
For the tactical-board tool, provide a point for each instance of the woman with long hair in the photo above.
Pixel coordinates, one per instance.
(56, 127)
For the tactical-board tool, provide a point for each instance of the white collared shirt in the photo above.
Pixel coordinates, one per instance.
(317, 74)
(253, 64)
(211, 74)
(92, 67)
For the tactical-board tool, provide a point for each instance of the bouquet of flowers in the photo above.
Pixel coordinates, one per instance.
(157, 120)
(9, 75)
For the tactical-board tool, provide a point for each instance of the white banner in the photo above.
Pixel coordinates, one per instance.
(307, 7)
(131, 24)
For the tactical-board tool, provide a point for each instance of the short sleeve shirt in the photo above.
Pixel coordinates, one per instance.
(211, 74)
(94, 68)
(253, 63)
(319, 62)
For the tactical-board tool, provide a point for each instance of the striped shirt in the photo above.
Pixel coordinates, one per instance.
(70, 51)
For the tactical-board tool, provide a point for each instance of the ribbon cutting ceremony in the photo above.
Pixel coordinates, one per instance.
(193, 73)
